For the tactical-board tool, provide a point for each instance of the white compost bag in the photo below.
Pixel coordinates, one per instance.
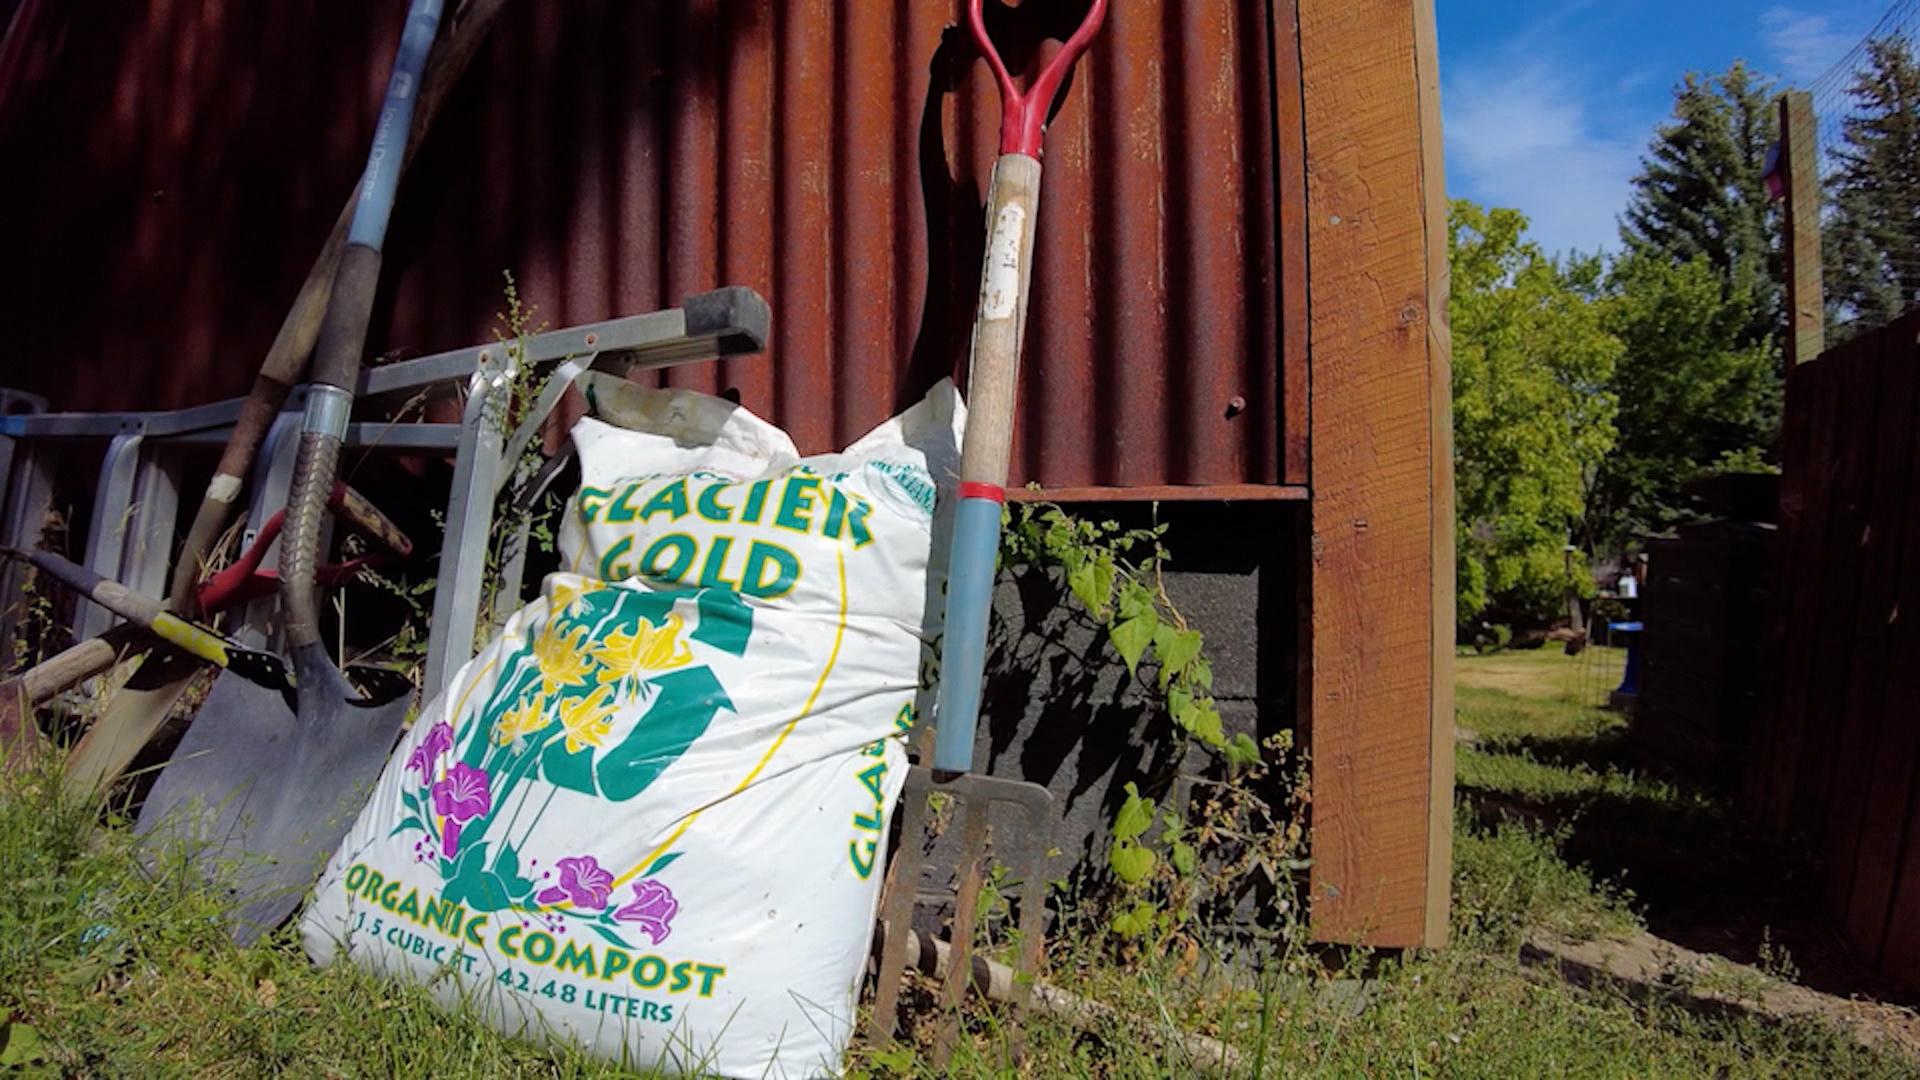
(650, 816)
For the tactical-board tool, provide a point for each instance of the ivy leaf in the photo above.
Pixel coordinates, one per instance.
(1058, 538)
(1130, 639)
(1136, 602)
(1177, 649)
(1199, 674)
(1207, 725)
(1092, 583)
(1135, 816)
(1179, 704)
(1183, 859)
(1131, 863)
(1135, 921)
(1242, 751)
(1080, 580)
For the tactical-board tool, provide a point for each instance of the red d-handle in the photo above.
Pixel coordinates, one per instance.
(1023, 116)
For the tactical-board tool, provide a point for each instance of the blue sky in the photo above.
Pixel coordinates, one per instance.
(1548, 105)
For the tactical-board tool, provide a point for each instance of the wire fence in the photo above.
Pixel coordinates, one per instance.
(1868, 154)
(1601, 665)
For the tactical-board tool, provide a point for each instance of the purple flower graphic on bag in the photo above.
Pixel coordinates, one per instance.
(439, 740)
(652, 909)
(583, 883)
(462, 795)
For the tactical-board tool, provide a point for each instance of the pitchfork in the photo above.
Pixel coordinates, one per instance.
(1013, 202)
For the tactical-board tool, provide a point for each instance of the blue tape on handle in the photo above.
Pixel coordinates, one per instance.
(963, 646)
(382, 175)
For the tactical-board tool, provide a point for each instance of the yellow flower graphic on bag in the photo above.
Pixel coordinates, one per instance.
(586, 719)
(649, 648)
(561, 657)
(525, 720)
(569, 600)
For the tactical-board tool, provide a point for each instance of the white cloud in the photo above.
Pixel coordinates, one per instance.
(1522, 137)
(1805, 45)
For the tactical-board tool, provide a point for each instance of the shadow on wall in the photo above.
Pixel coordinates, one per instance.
(1061, 709)
(174, 167)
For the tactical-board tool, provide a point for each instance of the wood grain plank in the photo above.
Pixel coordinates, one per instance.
(1875, 468)
(1163, 493)
(1440, 402)
(1371, 695)
(1901, 612)
(1852, 853)
(1796, 438)
(1850, 469)
(1899, 955)
(1290, 176)
(1806, 310)
(1882, 920)
(1819, 391)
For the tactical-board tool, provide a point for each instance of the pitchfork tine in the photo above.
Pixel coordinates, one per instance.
(965, 910)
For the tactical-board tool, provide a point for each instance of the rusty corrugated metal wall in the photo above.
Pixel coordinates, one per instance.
(172, 166)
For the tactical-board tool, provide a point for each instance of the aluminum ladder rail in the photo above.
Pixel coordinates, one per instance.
(136, 501)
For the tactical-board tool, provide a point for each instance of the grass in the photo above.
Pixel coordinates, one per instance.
(107, 969)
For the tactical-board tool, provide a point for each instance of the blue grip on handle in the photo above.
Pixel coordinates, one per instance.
(963, 646)
(382, 175)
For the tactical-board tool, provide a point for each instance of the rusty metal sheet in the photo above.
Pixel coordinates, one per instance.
(173, 165)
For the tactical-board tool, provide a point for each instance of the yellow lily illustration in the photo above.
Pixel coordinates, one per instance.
(530, 717)
(569, 599)
(561, 659)
(648, 648)
(585, 719)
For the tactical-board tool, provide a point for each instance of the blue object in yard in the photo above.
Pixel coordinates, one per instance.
(1629, 682)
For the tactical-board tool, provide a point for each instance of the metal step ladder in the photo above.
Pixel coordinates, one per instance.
(130, 536)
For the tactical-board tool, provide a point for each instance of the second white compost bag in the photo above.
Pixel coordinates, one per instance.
(650, 816)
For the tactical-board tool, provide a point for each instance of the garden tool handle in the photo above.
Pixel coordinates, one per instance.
(1006, 270)
(343, 333)
(1023, 114)
(142, 611)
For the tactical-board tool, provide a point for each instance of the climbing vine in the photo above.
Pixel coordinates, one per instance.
(1244, 828)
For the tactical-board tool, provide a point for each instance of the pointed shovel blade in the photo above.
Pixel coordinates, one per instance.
(259, 795)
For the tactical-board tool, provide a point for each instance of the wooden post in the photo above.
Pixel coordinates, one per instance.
(1379, 704)
(1806, 306)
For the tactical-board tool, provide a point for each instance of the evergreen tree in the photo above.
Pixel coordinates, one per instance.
(1693, 401)
(1701, 194)
(1872, 238)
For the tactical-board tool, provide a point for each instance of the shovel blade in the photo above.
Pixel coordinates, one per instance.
(259, 794)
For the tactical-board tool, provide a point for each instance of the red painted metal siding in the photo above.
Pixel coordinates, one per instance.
(172, 167)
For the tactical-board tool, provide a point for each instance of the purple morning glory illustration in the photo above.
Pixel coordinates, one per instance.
(462, 795)
(439, 740)
(652, 909)
(583, 883)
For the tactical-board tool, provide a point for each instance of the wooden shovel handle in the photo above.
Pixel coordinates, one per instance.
(299, 331)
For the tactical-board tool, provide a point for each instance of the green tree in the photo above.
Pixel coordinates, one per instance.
(1693, 400)
(1701, 193)
(1532, 410)
(1873, 226)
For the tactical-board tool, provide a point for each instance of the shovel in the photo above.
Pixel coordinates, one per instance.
(261, 792)
(1013, 202)
(140, 708)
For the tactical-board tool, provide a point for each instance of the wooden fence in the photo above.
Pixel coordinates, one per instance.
(1836, 756)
